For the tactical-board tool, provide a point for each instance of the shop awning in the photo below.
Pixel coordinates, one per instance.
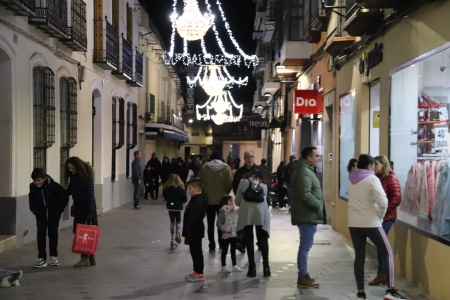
(153, 130)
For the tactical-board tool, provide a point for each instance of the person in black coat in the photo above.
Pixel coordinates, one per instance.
(155, 169)
(194, 228)
(280, 185)
(47, 200)
(79, 176)
(174, 194)
(165, 170)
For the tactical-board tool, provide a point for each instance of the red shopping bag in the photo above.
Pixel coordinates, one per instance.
(85, 240)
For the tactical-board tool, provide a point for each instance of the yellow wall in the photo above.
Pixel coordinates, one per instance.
(421, 260)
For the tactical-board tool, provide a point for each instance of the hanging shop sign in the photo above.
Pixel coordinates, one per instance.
(308, 102)
(260, 123)
(371, 59)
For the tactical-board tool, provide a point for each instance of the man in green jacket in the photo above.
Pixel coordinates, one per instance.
(216, 176)
(307, 209)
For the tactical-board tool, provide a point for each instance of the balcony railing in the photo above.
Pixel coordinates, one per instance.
(138, 67)
(51, 17)
(20, 7)
(77, 35)
(105, 44)
(125, 55)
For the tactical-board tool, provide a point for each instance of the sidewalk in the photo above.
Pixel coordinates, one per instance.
(134, 261)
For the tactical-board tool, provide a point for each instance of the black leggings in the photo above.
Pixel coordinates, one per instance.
(378, 237)
(263, 244)
(225, 242)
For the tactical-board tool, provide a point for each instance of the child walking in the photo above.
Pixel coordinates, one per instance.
(174, 194)
(47, 200)
(226, 223)
(194, 229)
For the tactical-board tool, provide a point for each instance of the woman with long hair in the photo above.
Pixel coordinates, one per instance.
(174, 194)
(165, 169)
(393, 190)
(79, 179)
(254, 214)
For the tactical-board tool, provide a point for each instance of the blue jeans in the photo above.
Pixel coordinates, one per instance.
(135, 193)
(386, 227)
(307, 232)
(289, 194)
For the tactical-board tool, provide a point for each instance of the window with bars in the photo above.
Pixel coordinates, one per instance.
(44, 114)
(68, 114)
(118, 130)
(131, 132)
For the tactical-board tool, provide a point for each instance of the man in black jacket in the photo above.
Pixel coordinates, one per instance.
(47, 200)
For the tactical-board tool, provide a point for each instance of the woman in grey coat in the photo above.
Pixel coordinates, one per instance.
(254, 214)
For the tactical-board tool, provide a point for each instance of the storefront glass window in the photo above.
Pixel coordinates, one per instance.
(419, 141)
(346, 138)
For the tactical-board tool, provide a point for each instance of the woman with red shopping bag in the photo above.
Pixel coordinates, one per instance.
(79, 179)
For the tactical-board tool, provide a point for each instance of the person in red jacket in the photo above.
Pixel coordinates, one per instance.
(393, 191)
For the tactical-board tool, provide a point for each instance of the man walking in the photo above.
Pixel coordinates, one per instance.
(217, 179)
(307, 209)
(136, 177)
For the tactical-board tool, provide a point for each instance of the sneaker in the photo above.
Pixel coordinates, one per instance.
(196, 277)
(189, 275)
(173, 245)
(225, 270)
(235, 268)
(54, 261)
(178, 237)
(361, 296)
(392, 294)
(41, 263)
(137, 207)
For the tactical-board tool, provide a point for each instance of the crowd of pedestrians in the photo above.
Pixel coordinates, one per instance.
(373, 196)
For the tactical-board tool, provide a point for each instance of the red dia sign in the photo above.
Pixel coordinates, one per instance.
(308, 102)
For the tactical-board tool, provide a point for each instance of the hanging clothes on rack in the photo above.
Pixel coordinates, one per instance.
(441, 213)
(411, 196)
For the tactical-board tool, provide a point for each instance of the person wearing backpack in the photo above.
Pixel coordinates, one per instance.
(254, 213)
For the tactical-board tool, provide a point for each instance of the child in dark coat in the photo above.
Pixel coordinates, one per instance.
(47, 200)
(194, 228)
(175, 195)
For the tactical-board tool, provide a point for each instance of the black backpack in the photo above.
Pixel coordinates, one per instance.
(254, 193)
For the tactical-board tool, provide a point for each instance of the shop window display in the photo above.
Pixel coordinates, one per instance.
(419, 141)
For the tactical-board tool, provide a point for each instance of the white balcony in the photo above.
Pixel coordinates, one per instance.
(295, 53)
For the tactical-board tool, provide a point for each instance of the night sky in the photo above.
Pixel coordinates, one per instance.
(240, 15)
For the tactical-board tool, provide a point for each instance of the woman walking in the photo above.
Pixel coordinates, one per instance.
(79, 179)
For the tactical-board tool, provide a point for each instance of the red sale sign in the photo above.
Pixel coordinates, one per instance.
(308, 102)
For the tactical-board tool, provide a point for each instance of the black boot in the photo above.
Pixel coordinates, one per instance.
(267, 272)
(251, 270)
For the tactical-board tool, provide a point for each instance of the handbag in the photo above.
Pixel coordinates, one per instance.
(85, 240)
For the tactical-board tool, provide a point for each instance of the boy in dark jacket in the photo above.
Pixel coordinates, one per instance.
(194, 229)
(47, 200)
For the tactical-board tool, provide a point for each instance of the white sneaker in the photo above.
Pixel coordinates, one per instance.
(235, 268)
(225, 270)
(41, 263)
(54, 261)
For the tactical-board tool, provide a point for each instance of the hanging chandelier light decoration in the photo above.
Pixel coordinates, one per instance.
(197, 23)
(223, 106)
(214, 78)
(192, 25)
